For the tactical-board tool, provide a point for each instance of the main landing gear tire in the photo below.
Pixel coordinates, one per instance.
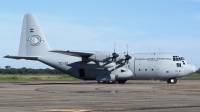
(172, 81)
(121, 81)
(106, 82)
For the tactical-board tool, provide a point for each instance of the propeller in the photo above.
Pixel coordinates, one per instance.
(114, 55)
(127, 57)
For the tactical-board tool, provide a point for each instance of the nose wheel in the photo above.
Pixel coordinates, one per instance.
(121, 81)
(172, 81)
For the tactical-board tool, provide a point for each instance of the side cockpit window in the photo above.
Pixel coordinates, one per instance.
(178, 64)
(182, 58)
(183, 62)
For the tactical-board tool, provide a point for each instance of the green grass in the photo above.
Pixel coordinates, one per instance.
(35, 77)
(191, 76)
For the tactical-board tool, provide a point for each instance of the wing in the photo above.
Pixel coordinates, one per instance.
(73, 53)
(22, 57)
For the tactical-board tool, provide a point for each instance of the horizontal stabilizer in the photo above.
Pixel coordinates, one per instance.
(73, 53)
(22, 57)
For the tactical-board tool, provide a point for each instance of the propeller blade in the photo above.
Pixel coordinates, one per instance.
(114, 55)
(127, 57)
(114, 46)
(127, 48)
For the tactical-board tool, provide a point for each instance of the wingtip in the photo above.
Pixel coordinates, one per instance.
(6, 56)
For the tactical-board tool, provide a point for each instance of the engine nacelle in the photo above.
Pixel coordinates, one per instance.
(100, 57)
(104, 57)
(107, 65)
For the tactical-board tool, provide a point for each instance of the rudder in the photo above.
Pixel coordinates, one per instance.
(32, 41)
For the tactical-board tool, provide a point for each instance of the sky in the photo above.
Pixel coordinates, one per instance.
(93, 25)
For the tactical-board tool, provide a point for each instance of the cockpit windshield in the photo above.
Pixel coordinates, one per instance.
(177, 58)
(182, 58)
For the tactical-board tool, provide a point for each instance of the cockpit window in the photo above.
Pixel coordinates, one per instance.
(183, 62)
(182, 58)
(178, 64)
(176, 58)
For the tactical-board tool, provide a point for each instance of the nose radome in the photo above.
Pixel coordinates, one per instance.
(194, 68)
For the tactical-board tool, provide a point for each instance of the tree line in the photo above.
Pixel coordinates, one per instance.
(198, 71)
(30, 71)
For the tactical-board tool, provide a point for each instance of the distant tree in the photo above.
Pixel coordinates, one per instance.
(198, 71)
(7, 67)
(24, 70)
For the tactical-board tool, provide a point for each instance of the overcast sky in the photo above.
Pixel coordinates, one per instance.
(93, 25)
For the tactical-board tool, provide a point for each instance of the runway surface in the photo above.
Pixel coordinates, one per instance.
(65, 96)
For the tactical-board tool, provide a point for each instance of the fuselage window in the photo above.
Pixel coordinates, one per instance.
(167, 71)
(145, 69)
(178, 64)
(139, 69)
(152, 69)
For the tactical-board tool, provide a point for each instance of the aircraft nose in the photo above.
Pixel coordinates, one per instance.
(194, 68)
(189, 69)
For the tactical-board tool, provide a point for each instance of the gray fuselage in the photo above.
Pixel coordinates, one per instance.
(148, 66)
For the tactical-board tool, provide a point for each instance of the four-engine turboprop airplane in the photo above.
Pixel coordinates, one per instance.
(105, 67)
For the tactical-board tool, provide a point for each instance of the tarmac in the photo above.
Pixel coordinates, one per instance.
(89, 96)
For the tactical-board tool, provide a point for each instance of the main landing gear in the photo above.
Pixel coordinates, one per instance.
(106, 82)
(112, 82)
(172, 81)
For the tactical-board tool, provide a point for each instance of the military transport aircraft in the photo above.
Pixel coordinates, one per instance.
(105, 67)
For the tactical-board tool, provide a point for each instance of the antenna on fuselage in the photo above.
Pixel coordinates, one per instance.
(127, 48)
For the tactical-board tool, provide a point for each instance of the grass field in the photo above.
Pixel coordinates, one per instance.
(192, 76)
(35, 77)
(61, 77)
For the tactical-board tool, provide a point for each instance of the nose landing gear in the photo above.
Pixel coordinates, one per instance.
(172, 81)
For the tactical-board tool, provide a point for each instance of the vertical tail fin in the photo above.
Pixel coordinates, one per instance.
(32, 41)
